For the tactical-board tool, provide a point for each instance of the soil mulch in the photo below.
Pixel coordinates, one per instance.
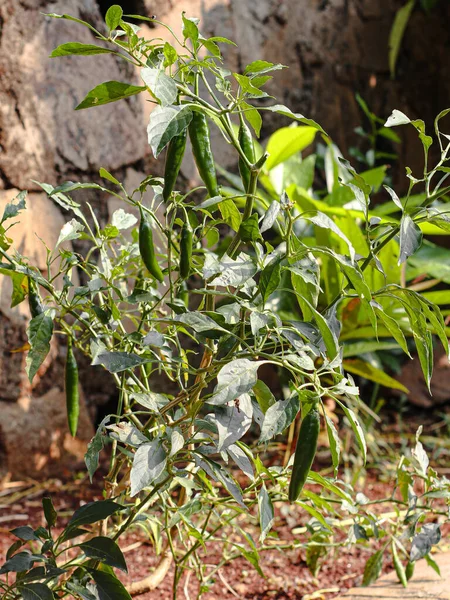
(287, 576)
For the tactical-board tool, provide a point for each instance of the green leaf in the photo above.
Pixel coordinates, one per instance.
(165, 123)
(433, 564)
(278, 417)
(80, 591)
(170, 54)
(335, 443)
(249, 229)
(234, 379)
(322, 220)
(22, 561)
(109, 587)
(107, 92)
(410, 238)
(266, 513)
(162, 87)
(40, 331)
(95, 446)
(253, 117)
(148, 464)
(358, 348)
(263, 395)
(287, 141)
(13, 208)
(247, 86)
(373, 567)
(113, 16)
(356, 426)
(270, 279)
(397, 31)
(201, 323)
(262, 66)
(36, 591)
(115, 362)
(24, 533)
(394, 329)
(107, 175)
(230, 214)
(106, 551)
(50, 513)
(368, 371)
(190, 30)
(77, 49)
(93, 512)
(20, 287)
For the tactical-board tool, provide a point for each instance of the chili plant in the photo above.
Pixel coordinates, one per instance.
(196, 312)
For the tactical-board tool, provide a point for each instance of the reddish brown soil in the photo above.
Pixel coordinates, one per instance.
(286, 574)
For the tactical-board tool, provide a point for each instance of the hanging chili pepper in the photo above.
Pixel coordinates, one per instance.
(246, 142)
(304, 453)
(183, 294)
(147, 248)
(201, 149)
(185, 250)
(34, 299)
(72, 393)
(174, 158)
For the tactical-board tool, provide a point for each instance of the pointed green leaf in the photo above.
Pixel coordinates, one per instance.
(107, 92)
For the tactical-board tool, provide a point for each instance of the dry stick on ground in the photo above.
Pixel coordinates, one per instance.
(155, 579)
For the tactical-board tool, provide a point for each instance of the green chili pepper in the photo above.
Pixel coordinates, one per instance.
(185, 250)
(246, 143)
(147, 248)
(409, 570)
(34, 299)
(174, 158)
(201, 149)
(304, 453)
(72, 393)
(183, 294)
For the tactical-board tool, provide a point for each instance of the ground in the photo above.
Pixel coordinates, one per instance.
(286, 574)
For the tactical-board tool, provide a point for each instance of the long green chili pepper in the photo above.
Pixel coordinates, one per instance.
(246, 142)
(34, 299)
(72, 393)
(174, 158)
(147, 248)
(185, 250)
(201, 149)
(304, 453)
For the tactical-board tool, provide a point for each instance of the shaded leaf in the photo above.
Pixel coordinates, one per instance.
(106, 551)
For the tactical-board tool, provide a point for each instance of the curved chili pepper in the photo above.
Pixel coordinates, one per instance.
(72, 392)
(174, 158)
(34, 299)
(147, 248)
(246, 142)
(304, 453)
(185, 250)
(201, 149)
